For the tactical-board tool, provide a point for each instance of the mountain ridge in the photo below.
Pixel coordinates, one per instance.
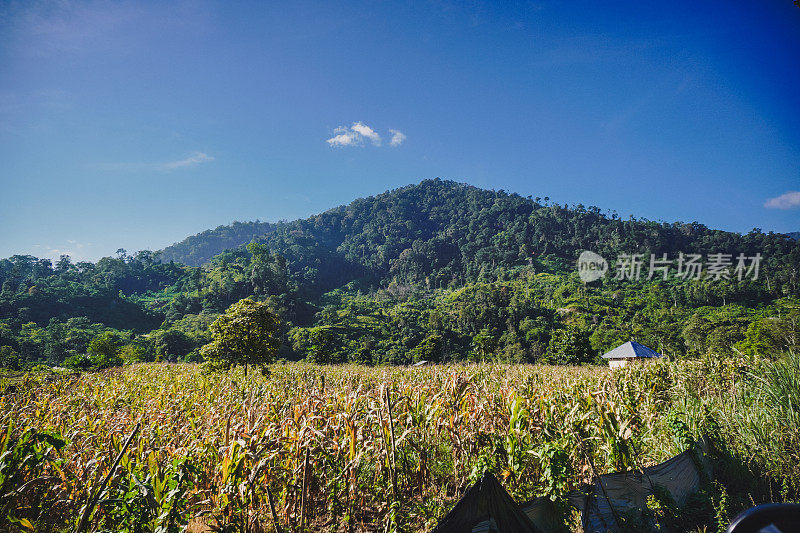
(436, 270)
(202, 247)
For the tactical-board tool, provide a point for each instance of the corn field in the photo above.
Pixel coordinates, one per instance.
(160, 447)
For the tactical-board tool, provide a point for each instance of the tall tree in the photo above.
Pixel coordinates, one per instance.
(246, 334)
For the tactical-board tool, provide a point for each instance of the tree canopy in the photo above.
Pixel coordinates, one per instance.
(438, 271)
(246, 334)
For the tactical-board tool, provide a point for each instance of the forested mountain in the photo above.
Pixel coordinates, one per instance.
(197, 249)
(438, 270)
(446, 233)
(442, 234)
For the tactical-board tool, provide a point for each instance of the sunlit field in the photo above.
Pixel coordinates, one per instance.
(351, 448)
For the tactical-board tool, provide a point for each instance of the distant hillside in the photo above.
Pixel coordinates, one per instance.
(794, 235)
(198, 249)
(437, 270)
(445, 234)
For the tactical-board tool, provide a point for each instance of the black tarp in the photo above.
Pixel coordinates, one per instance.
(486, 507)
(628, 491)
(543, 513)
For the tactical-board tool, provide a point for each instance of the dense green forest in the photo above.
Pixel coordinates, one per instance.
(437, 271)
(197, 249)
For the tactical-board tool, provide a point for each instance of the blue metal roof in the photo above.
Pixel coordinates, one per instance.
(629, 350)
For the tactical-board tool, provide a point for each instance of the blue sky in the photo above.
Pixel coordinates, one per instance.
(135, 124)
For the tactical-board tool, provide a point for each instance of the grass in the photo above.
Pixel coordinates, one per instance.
(351, 448)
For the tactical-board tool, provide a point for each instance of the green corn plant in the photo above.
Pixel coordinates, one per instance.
(27, 462)
(148, 495)
(556, 468)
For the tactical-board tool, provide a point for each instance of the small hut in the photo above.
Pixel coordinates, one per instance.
(630, 351)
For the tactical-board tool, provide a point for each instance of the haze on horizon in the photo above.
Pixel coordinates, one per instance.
(135, 124)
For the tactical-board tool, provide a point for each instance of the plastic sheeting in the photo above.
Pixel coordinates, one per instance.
(628, 491)
(544, 515)
(486, 507)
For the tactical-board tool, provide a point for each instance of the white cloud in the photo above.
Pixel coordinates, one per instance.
(788, 200)
(344, 137)
(195, 158)
(365, 131)
(358, 134)
(397, 138)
